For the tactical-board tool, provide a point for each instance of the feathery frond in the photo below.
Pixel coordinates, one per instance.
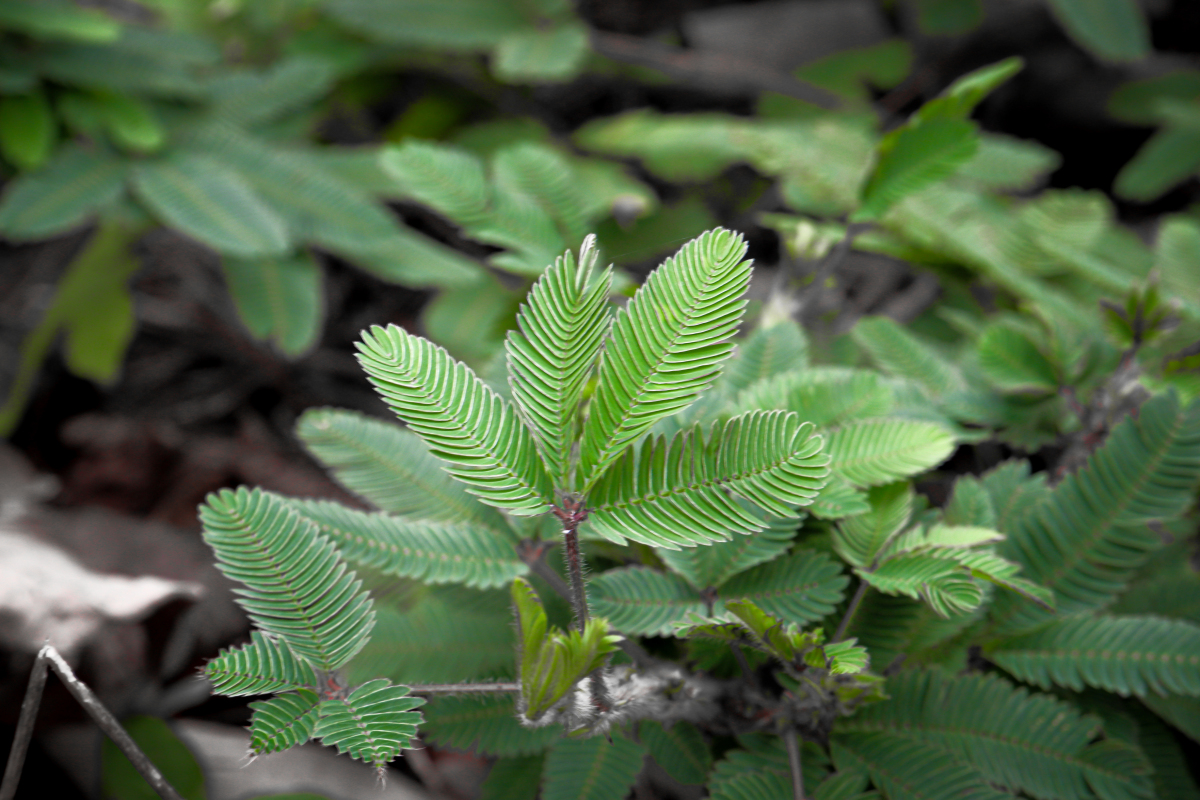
(671, 493)
(642, 601)
(298, 588)
(431, 552)
(284, 721)
(679, 749)
(1126, 655)
(1086, 540)
(822, 395)
(391, 467)
(703, 567)
(665, 346)
(910, 770)
(759, 769)
(802, 587)
(871, 452)
(770, 350)
(485, 724)
(860, 539)
(898, 352)
(464, 422)
(941, 582)
(372, 724)
(591, 769)
(551, 355)
(839, 499)
(264, 666)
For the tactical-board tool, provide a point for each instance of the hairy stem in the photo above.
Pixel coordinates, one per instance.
(851, 610)
(49, 657)
(794, 765)
(575, 573)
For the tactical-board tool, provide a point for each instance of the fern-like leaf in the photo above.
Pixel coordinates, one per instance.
(1087, 539)
(487, 725)
(463, 420)
(900, 353)
(448, 180)
(591, 769)
(431, 552)
(822, 395)
(802, 587)
(759, 769)
(711, 566)
(875, 451)
(1030, 742)
(942, 582)
(298, 588)
(679, 749)
(771, 349)
(676, 493)
(264, 666)
(542, 174)
(642, 601)
(372, 724)
(551, 355)
(284, 721)
(910, 770)
(665, 346)
(1126, 655)
(860, 539)
(391, 467)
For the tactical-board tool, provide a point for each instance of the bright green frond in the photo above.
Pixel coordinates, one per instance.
(665, 346)
(890, 626)
(463, 421)
(760, 770)
(839, 499)
(679, 749)
(970, 504)
(391, 467)
(642, 601)
(1126, 655)
(860, 539)
(1034, 743)
(264, 666)
(990, 567)
(298, 588)
(486, 724)
(802, 587)
(373, 724)
(769, 350)
(910, 770)
(845, 786)
(1014, 363)
(1014, 493)
(940, 581)
(874, 451)
(448, 180)
(677, 492)
(591, 769)
(432, 552)
(284, 721)
(1087, 539)
(898, 352)
(713, 565)
(822, 395)
(542, 174)
(552, 354)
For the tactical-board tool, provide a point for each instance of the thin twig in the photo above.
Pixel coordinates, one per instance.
(575, 574)
(855, 602)
(463, 688)
(91, 704)
(794, 765)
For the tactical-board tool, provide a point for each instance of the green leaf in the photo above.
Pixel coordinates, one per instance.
(679, 749)
(591, 769)
(130, 121)
(665, 346)
(949, 17)
(822, 395)
(391, 467)
(284, 721)
(164, 749)
(1126, 655)
(1004, 163)
(1180, 711)
(877, 451)
(1028, 742)
(516, 778)
(772, 349)
(486, 725)
(278, 299)
(449, 180)
(1014, 493)
(642, 601)
(206, 200)
(711, 566)
(898, 352)
(1013, 363)
(910, 770)
(671, 493)
(839, 499)
(960, 98)
(297, 586)
(1169, 157)
(860, 539)
(541, 56)
(441, 24)
(27, 130)
(970, 504)
(802, 587)
(1177, 249)
(1140, 102)
(1088, 537)
(264, 666)
(542, 174)
(1172, 778)
(759, 769)
(1111, 30)
(431, 552)
(940, 581)
(464, 422)
(58, 20)
(290, 84)
(71, 187)
(551, 356)
(373, 724)
(913, 158)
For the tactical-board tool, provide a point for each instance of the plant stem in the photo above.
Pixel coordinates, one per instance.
(48, 656)
(794, 765)
(463, 688)
(851, 610)
(575, 572)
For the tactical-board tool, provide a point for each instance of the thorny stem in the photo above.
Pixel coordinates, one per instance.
(49, 657)
(794, 765)
(851, 610)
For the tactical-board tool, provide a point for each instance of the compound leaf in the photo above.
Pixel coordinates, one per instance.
(910, 770)
(485, 724)
(591, 769)
(900, 353)
(284, 721)
(679, 749)
(802, 587)
(876, 451)
(642, 601)
(372, 724)
(711, 566)
(72, 186)
(278, 299)
(914, 157)
(264, 666)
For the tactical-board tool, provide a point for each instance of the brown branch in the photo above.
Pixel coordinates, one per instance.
(710, 69)
(49, 657)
